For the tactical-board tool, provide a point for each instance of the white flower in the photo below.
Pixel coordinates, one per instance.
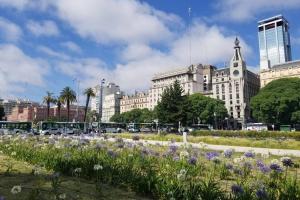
(16, 189)
(184, 154)
(98, 167)
(13, 153)
(275, 161)
(62, 196)
(237, 160)
(77, 170)
(265, 155)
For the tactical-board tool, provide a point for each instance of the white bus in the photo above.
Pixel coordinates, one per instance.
(57, 128)
(15, 127)
(256, 127)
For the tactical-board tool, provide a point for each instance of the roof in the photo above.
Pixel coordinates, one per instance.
(224, 70)
(277, 17)
(178, 71)
(287, 64)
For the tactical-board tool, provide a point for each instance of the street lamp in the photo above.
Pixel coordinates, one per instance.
(101, 101)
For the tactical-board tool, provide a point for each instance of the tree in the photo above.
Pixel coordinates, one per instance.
(277, 101)
(89, 92)
(135, 115)
(2, 113)
(58, 102)
(296, 117)
(173, 106)
(68, 96)
(48, 99)
(206, 110)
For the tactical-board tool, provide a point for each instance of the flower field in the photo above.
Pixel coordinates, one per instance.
(159, 172)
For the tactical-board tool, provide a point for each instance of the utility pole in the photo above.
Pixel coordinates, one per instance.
(101, 101)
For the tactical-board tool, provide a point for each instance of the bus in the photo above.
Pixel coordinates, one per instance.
(15, 127)
(256, 127)
(197, 127)
(57, 128)
(109, 127)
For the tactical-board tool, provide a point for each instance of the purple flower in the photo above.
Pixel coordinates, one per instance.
(228, 153)
(236, 189)
(247, 165)
(262, 167)
(211, 155)
(176, 158)
(2, 198)
(111, 153)
(287, 161)
(229, 166)
(249, 154)
(173, 148)
(193, 160)
(261, 193)
(276, 167)
(145, 151)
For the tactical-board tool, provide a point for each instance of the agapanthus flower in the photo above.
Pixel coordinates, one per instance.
(173, 148)
(249, 154)
(228, 153)
(211, 155)
(16, 189)
(216, 160)
(98, 167)
(276, 167)
(261, 193)
(236, 189)
(192, 160)
(62, 196)
(229, 166)
(2, 198)
(247, 165)
(176, 158)
(77, 170)
(286, 161)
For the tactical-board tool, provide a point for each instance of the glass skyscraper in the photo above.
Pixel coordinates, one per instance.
(274, 42)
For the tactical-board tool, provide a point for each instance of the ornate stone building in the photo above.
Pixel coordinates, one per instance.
(235, 86)
(130, 102)
(284, 70)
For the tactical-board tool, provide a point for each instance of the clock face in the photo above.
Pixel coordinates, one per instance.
(236, 72)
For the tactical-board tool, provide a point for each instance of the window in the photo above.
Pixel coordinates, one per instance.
(230, 96)
(237, 96)
(223, 97)
(239, 115)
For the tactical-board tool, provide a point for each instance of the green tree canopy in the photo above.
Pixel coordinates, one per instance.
(206, 110)
(135, 115)
(277, 102)
(173, 106)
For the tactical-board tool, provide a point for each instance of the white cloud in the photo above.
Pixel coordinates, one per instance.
(242, 10)
(17, 69)
(9, 30)
(116, 21)
(19, 4)
(52, 53)
(140, 61)
(44, 28)
(71, 46)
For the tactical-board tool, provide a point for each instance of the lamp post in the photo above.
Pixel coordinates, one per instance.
(215, 117)
(100, 102)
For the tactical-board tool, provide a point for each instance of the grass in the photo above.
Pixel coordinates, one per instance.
(231, 141)
(74, 188)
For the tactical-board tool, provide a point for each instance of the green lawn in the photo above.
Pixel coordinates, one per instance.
(39, 186)
(231, 141)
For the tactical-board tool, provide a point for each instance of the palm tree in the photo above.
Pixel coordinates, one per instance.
(68, 96)
(48, 99)
(89, 92)
(58, 103)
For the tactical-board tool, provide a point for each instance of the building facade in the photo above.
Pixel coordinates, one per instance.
(138, 100)
(39, 113)
(10, 104)
(110, 88)
(284, 70)
(190, 79)
(235, 86)
(274, 42)
(111, 106)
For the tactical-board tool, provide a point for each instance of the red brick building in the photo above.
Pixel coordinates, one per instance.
(39, 113)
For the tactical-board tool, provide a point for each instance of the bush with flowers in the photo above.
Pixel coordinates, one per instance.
(160, 172)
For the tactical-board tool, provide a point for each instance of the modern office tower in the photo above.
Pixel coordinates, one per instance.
(274, 42)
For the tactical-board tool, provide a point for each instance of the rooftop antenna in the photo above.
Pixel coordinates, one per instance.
(190, 42)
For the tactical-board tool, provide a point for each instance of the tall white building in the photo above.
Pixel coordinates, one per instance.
(190, 78)
(111, 106)
(235, 86)
(110, 88)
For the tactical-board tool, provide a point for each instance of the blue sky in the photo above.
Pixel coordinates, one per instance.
(45, 44)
